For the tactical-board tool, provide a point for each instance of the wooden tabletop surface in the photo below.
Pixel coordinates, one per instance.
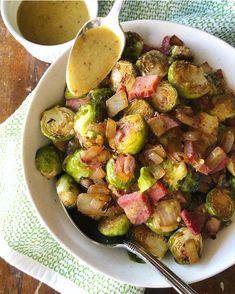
(19, 74)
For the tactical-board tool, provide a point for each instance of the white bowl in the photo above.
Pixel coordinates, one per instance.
(45, 53)
(217, 255)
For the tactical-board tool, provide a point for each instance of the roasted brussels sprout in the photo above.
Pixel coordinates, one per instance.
(74, 166)
(224, 107)
(146, 179)
(156, 245)
(181, 53)
(57, 123)
(185, 247)
(48, 161)
(165, 98)
(190, 182)
(98, 97)
(174, 173)
(141, 107)
(114, 226)
(133, 47)
(220, 204)
(165, 217)
(121, 180)
(188, 79)
(67, 190)
(153, 62)
(123, 73)
(231, 164)
(131, 135)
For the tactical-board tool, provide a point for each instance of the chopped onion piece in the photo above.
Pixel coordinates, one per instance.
(191, 136)
(215, 158)
(117, 103)
(99, 173)
(227, 141)
(157, 171)
(111, 128)
(91, 153)
(100, 189)
(152, 155)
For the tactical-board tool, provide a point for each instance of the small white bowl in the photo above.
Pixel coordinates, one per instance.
(45, 53)
(217, 255)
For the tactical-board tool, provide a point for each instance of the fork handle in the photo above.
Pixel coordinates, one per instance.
(176, 282)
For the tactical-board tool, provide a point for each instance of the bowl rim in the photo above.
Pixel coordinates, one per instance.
(22, 40)
(54, 235)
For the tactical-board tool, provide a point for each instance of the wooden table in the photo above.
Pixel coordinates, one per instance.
(19, 74)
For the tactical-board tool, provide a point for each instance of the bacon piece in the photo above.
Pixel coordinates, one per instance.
(156, 192)
(125, 167)
(194, 220)
(136, 206)
(144, 87)
(74, 104)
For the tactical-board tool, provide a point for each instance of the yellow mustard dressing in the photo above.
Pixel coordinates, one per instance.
(51, 22)
(92, 58)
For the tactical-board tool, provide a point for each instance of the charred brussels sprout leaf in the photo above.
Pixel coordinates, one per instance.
(141, 107)
(185, 247)
(48, 161)
(156, 245)
(131, 135)
(174, 173)
(114, 226)
(188, 79)
(74, 166)
(190, 182)
(153, 62)
(181, 53)
(123, 73)
(220, 204)
(133, 47)
(165, 98)
(67, 190)
(57, 123)
(146, 179)
(113, 179)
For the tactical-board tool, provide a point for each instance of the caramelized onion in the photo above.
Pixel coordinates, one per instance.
(111, 128)
(100, 189)
(99, 173)
(117, 103)
(191, 136)
(227, 141)
(215, 158)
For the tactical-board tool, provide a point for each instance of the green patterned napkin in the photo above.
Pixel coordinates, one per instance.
(24, 242)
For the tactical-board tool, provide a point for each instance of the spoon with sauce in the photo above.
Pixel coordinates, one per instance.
(97, 47)
(89, 228)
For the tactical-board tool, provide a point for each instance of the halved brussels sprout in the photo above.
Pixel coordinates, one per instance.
(98, 97)
(153, 62)
(74, 166)
(190, 182)
(181, 53)
(115, 180)
(188, 79)
(185, 247)
(142, 107)
(48, 161)
(114, 226)
(146, 179)
(156, 245)
(231, 164)
(67, 190)
(131, 135)
(165, 217)
(224, 107)
(174, 173)
(123, 73)
(133, 47)
(220, 204)
(57, 123)
(165, 98)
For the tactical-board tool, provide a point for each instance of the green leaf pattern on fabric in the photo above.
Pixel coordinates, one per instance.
(19, 225)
